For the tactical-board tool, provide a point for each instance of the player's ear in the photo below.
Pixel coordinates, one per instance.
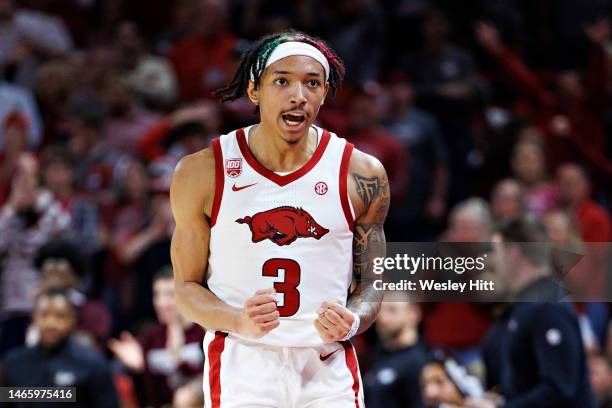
(253, 93)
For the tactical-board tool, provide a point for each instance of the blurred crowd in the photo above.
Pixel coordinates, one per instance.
(481, 112)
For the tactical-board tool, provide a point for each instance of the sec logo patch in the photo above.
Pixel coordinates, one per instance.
(321, 188)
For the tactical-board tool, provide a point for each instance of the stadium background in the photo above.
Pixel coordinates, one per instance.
(475, 108)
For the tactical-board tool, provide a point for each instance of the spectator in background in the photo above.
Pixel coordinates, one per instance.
(529, 168)
(591, 224)
(469, 221)
(367, 134)
(443, 73)
(58, 360)
(575, 191)
(573, 271)
(150, 77)
(600, 374)
(458, 327)
(444, 383)
(96, 160)
(62, 266)
(507, 201)
(425, 198)
(437, 388)
(594, 225)
(203, 61)
(541, 348)
(499, 310)
(190, 395)
(350, 22)
(18, 100)
(393, 380)
(181, 26)
(184, 139)
(127, 120)
(14, 132)
(260, 17)
(58, 171)
(53, 86)
(169, 353)
(561, 228)
(30, 218)
(133, 208)
(185, 131)
(28, 37)
(94, 66)
(562, 233)
(141, 226)
(444, 79)
(572, 117)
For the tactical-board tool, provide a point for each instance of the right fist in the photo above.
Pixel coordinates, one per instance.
(259, 315)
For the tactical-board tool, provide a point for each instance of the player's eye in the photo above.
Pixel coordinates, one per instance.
(313, 83)
(280, 81)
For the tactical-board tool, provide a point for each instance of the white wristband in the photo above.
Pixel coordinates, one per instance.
(354, 328)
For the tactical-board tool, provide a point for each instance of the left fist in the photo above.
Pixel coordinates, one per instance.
(334, 321)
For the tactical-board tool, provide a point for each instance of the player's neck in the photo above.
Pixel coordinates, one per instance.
(276, 154)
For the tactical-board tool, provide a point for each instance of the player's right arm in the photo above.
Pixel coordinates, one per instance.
(191, 195)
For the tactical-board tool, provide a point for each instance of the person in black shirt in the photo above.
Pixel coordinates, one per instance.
(58, 360)
(393, 380)
(543, 362)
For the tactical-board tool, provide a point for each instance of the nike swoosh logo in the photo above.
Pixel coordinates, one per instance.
(235, 188)
(325, 357)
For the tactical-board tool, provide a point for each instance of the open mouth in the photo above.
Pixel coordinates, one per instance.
(293, 119)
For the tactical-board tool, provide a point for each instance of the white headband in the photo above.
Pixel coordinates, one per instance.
(287, 49)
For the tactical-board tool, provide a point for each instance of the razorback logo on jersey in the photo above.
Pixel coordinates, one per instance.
(283, 225)
(233, 167)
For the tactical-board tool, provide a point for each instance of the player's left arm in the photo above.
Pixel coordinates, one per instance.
(370, 195)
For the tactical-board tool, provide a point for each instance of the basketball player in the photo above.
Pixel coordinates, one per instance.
(276, 228)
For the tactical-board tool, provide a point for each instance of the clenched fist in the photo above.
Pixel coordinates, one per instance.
(259, 315)
(334, 321)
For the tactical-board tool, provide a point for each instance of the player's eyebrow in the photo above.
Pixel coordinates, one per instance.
(282, 72)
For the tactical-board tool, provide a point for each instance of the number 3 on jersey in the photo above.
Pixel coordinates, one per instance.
(288, 287)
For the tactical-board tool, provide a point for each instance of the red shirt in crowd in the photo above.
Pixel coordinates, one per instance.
(594, 222)
(570, 129)
(202, 65)
(455, 324)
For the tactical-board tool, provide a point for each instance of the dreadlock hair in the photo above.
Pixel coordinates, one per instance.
(254, 61)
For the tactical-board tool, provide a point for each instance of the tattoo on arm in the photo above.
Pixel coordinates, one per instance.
(367, 187)
(368, 243)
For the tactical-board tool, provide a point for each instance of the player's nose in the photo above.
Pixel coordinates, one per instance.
(298, 95)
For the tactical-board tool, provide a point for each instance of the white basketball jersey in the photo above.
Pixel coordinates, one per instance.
(292, 232)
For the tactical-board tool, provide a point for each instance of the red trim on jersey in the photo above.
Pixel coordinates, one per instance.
(215, 348)
(219, 180)
(277, 178)
(351, 363)
(344, 198)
